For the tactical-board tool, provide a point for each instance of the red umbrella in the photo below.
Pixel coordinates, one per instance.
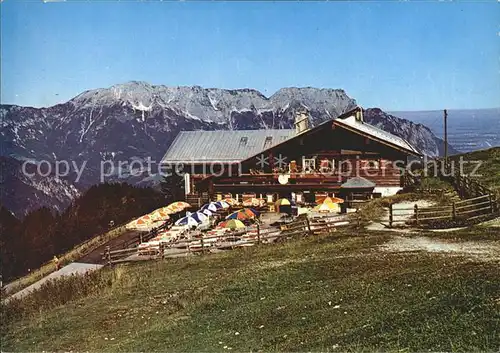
(241, 215)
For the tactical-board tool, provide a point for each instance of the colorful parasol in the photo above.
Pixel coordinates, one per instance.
(213, 206)
(144, 220)
(207, 212)
(179, 205)
(283, 202)
(248, 202)
(232, 224)
(159, 215)
(222, 204)
(187, 221)
(327, 207)
(337, 200)
(239, 215)
(231, 201)
(284, 206)
(251, 212)
(169, 210)
(198, 216)
(141, 222)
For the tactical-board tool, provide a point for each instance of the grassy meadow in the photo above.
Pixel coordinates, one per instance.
(337, 292)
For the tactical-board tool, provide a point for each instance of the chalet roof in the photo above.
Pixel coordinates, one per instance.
(348, 121)
(232, 146)
(229, 146)
(358, 183)
(359, 126)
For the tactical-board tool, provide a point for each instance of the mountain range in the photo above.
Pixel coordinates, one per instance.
(136, 120)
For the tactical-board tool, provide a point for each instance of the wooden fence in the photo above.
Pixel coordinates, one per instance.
(143, 237)
(469, 209)
(303, 226)
(466, 186)
(478, 201)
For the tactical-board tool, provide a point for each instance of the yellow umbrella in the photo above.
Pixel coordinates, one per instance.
(170, 210)
(143, 221)
(337, 200)
(165, 210)
(231, 201)
(255, 202)
(327, 207)
(283, 202)
(232, 224)
(284, 206)
(181, 205)
(159, 215)
(249, 202)
(327, 200)
(240, 215)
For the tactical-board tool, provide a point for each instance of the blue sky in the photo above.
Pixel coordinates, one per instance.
(393, 55)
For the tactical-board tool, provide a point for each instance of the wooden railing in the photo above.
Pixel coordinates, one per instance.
(143, 236)
(300, 227)
(466, 186)
(317, 225)
(185, 246)
(469, 209)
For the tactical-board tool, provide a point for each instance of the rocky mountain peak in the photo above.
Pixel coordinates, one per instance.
(136, 120)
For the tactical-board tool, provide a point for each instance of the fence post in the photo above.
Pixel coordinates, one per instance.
(108, 255)
(416, 214)
(162, 250)
(391, 217)
(308, 225)
(491, 203)
(258, 233)
(454, 210)
(140, 238)
(202, 245)
(327, 226)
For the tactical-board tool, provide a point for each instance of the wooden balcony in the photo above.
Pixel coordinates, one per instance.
(272, 178)
(268, 182)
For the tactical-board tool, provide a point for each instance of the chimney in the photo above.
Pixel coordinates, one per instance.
(301, 121)
(359, 114)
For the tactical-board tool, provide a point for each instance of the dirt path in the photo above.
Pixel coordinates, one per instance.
(91, 261)
(74, 268)
(402, 211)
(483, 250)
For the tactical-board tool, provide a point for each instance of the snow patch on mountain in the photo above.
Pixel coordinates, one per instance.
(136, 119)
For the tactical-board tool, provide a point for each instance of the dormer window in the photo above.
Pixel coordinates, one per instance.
(269, 141)
(243, 141)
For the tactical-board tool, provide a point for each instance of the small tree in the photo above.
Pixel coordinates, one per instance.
(172, 187)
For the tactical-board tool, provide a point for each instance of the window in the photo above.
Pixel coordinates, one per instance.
(327, 165)
(269, 142)
(372, 164)
(243, 141)
(308, 165)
